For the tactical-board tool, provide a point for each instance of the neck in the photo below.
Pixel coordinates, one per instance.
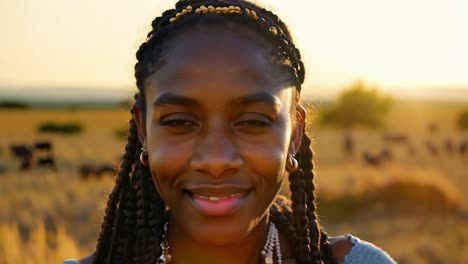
(184, 249)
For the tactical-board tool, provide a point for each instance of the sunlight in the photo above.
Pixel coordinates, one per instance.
(391, 43)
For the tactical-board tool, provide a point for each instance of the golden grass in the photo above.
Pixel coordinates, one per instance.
(41, 247)
(46, 216)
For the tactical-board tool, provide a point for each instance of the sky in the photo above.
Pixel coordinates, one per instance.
(392, 44)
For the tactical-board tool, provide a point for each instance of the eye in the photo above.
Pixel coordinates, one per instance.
(253, 120)
(177, 122)
(253, 123)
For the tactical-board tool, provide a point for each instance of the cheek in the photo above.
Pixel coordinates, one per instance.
(267, 158)
(266, 162)
(166, 162)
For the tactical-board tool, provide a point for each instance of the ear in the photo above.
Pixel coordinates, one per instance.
(141, 125)
(298, 130)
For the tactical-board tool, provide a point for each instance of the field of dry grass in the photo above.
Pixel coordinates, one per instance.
(413, 206)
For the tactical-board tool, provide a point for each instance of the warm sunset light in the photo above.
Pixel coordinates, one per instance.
(218, 155)
(393, 44)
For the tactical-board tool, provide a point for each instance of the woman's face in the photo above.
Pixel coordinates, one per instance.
(218, 128)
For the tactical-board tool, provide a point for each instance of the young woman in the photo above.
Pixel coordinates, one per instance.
(216, 127)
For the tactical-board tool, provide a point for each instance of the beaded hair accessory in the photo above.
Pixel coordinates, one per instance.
(226, 10)
(292, 56)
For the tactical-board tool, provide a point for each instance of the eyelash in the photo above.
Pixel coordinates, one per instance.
(254, 123)
(182, 122)
(246, 122)
(177, 122)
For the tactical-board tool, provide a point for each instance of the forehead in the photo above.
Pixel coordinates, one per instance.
(214, 56)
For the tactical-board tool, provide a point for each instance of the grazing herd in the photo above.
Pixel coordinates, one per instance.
(88, 171)
(40, 155)
(448, 147)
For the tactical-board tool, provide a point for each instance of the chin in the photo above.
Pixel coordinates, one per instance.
(222, 233)
(203, 223)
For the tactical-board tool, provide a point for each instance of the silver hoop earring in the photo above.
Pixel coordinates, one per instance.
(292, 165)
(144, 157)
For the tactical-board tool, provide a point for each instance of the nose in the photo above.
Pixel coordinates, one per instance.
(216, 154)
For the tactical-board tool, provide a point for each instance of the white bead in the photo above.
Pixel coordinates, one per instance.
(268, 260)
(272, 246)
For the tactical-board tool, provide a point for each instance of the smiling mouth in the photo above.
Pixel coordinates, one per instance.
(217, 200)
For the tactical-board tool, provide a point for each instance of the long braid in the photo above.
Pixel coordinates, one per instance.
(157, 218)
(135, 249)
(145, 218)
(281, 214)
(151, 210)
(128, 238)
(150, 217)
(122, 180)
(293, 52)
(141, 214)
(306, 164)
(326, 249)
(115, 246)
(300, 219)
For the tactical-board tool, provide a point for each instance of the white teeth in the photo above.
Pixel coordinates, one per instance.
(214, 198)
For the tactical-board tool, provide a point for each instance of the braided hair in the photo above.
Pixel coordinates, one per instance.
(133, 223)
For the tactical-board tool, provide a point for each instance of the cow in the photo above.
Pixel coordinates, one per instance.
(46, 162)
(105, 169)
(19, 151)
(88, 171)
(24, 154)
(431, 148)
(463, 147)
(449, 147)
(43, 145)
(395, 138)
(377, 159)
(348, 145)
(371, 159)
(26, 161)
(386, 154)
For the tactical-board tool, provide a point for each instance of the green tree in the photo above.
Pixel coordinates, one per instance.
(358, 105)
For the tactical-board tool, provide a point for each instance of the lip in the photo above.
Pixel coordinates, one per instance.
(217, 200)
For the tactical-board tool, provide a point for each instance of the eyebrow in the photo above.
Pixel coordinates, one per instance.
(260, 97)
(176, 99)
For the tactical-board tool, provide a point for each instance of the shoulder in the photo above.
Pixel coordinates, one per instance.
(348, 249)
(341, 246)
(87, 260)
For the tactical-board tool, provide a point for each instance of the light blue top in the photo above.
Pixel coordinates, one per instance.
(362, 252)
(365, 253)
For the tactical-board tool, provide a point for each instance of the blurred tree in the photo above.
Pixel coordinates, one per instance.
(9, 104)
(358, 105)
(126, 103)
(120, 133)
(60, 128)
(463, 120)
